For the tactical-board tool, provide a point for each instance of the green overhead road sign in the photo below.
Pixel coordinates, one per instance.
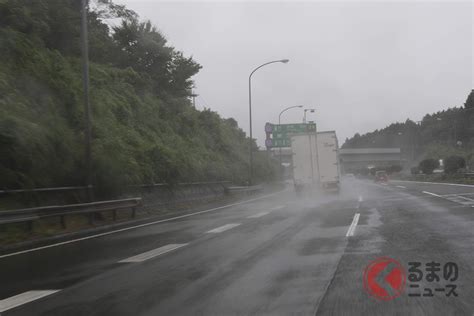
(280, 134)
(294, 128)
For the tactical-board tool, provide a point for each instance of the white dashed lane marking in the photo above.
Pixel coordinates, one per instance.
(278, 207)
(152, 253)
(258, 215)
(401, 186)
(431, 193)
(222, 228)
(23, 298)
(456, 198)
(351, 230)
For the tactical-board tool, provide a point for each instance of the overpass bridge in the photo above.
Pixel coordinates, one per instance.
(352, 159)
(356, 158)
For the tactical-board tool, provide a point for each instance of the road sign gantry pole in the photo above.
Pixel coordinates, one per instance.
(284, 61)
(279, 121)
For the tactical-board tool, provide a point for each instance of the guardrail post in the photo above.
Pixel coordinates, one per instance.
(134, 211)
(30, 226)
(91, 218)
(114, 214)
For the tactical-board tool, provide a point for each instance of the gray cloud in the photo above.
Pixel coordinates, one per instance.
(362, 65)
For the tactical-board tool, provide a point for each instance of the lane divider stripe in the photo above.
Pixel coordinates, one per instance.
(152, 253)
(258, 215)
(433, 194)
(222, 228)
(351, 230)
(23, 298)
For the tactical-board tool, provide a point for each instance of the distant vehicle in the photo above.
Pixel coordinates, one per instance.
(349, 176)
(315, 160)
(381, 176)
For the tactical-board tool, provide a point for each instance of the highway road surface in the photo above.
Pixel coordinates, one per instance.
(400, 248)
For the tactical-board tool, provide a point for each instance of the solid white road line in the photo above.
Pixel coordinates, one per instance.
(152, 253)
(441, 183)
(258, 215)
(134, 227)
(457, 194)
(401, 186)
(351, 230)
(23, 298)
(465, 198)
(222, 228)
(433, 194)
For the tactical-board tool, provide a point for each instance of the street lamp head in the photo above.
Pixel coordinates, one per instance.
(300, 106)
(284, 61)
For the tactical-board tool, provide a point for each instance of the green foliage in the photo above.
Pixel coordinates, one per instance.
(427, 166)
(453, 163)
(469, 104)
(439, 135)
(144, 127)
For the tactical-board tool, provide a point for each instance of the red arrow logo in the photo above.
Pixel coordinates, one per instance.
(384, 278)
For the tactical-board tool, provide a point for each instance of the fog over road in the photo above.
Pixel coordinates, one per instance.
(279, 254)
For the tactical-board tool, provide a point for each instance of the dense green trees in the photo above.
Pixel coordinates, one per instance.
(438, 135)
(144, 127)
(453, 163)
(427, 166)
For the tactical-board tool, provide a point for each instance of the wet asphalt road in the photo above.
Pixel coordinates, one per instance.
(278, 255)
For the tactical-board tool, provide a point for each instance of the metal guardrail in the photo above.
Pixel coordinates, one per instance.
(58, 189)
(31, 214)
(179, 184)
(245, 189)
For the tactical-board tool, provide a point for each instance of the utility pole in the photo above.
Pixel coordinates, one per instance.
(87, 108)
(193, 95)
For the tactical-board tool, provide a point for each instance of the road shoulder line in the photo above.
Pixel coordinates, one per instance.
(440, 183)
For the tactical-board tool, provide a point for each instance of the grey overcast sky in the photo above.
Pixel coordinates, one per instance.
(362, 65)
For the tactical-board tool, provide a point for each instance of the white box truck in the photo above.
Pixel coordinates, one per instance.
(305, 162)
(315, 160)
(328, 160)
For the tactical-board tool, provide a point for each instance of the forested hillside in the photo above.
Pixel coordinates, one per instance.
(437, 135)
(145, 129)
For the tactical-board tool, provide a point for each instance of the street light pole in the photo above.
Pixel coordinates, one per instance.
(306, 110)
(87, 109)
(279, 120)
(284, 61)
